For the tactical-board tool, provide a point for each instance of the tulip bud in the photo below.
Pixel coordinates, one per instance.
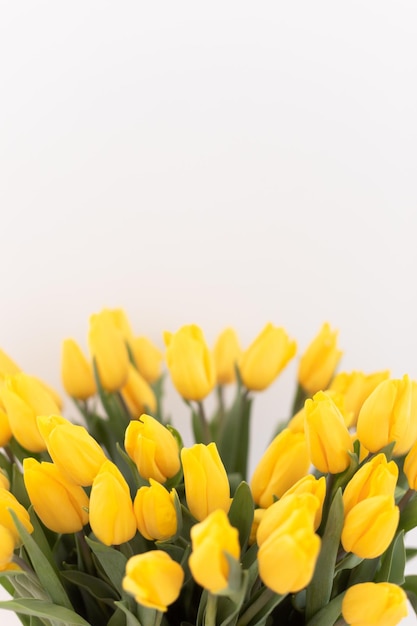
(356, 387)
(226, 353)
(310, 485)
(7, 366)
(370, 526)
(190, 363)
(389, 414)
(266, 357)
(76, 371)
(297, 422)
(294, 545)
(376, 477)
(285, 461)
(6, 547)
(121, 322)
(5, 430)
(374, 604)
(278, 513)
(112, 519)
(155, 511)
(206, 484)
(108, 348)
(73, 450)
(154, 579)
(137, 394)
(211, 540)
(148, 358)
(319, 361)
(258, 515)
(328, 439)
(8, 501)
(153, 448)
(24, 398)
(4, 480)
(60, 504)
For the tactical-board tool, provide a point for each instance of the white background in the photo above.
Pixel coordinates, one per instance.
(226, 163)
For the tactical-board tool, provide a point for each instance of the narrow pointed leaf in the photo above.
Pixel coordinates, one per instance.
(329, 614)
(393, 562)
(241, 512)
(40, 608)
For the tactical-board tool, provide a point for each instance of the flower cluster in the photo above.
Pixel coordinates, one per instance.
(110, 519)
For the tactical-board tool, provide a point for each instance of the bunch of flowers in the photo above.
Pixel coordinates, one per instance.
(110, 519)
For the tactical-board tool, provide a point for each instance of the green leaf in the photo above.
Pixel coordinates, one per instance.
(112, 561)
(233, 441)
(393, 562)
(40, 608)
(146, 616)
(228, 608)
(257, 611)
(364, 572)
(118, 618)
(241, 513)
(45, 570)
(320, 588)
(18, 487)
(408, 517)
(96, 587)
(329, 614)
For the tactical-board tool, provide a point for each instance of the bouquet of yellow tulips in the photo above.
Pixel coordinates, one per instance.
(109, 519)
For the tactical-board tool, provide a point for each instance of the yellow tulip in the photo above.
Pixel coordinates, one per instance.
(410, 467)
(59, 503)
(258, 515)
(226, 353)
(190, 363)
(319, 361)
(389, 414)
(282, 510)
(7, 366)
(266, 357)
(76, 372)
(154, 579)
(5, 430)
(370, 526)
(211, 540)
(285, 461)
(153, 448)
(148, 358)
(294, 545)
(121, 322)
(328, 438)
(8, 501)
(314, 486)
(7, 546)
(155, 511)
(376, 477)
(297, 422)
(356, 387)
(24, 399)
(4, 480)
(137, 394)
(108, 348)
(112, 519)
(73, 450)
(374, 604)
(206, 484)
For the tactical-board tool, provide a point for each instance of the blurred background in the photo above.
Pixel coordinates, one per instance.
(224, 164)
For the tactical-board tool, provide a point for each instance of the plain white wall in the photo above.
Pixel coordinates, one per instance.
(219, 163)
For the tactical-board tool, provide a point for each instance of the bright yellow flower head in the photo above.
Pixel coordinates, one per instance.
(266, 357)
(280, 512)
(58, 502)
(226, 353)
(7, 366)
(190, 362)
(285, 461)
(376, 477)
(154, 579)
(76, 372)
(108, 347)
(312, 485)
(155, 512)
(4, 480)
(148, 358)
(137, 394)
(205, 478)
(319, 361)
(7, 546)
(8, 501)
(356, 387)
(5, 430)
(374, 604)
(410, 467)
(211, 540)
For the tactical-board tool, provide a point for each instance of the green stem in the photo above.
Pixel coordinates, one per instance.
(211, 610)
(266, 597)
(204, 423)
(85, 553)
(158, 618)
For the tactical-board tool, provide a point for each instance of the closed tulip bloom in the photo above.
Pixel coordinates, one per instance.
(153, 448)
(148, 358)
(211, 540)
(285, 461)
(8, 501)
(5, 430)
(154, 579)
(319, 361)
(314, 486)
(328, 438)
(376, 477)
(226, 353)
(282, 510)
(356, 387)
(370, 526)
(121, 322)
(410, 467)
(112, 519)
(24, 398)
(206, 483)
(288, 556)
(266, 357)
(4, 480)
(137, 394)
(6, 547)
(190, 362)
(374, 604)
(155, 511)
(59, 503)
(73, 450)
(108, 347)
(258, 515)
(389, 414)
(76, 372)
(297, 423)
